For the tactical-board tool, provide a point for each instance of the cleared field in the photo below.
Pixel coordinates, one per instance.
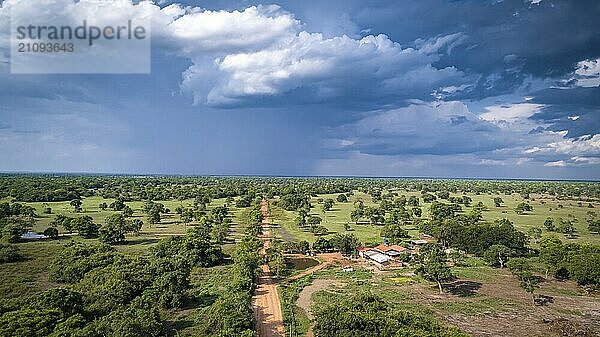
(482, 301)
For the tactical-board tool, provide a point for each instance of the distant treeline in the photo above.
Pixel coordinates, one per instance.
(48, 188)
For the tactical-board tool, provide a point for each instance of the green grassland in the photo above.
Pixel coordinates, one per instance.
(544, 206)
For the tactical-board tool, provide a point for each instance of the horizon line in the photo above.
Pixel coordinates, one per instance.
(156, 175)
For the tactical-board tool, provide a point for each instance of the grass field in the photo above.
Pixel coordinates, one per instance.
(544, 206)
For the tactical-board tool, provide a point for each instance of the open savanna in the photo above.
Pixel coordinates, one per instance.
(544, 206)
(25, 278)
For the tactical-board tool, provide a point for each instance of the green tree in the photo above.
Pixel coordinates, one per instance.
(154, 215)
(127, 211)
(567, 228)
(153, 211)
(549, 224)
(413, 201)
(14, 227)
(428, 198)
(276, 261)
(118, 205)
(220, 231)
(51, 232)
(431, 264)
(394, 233)
(529, 282)
(345, 243)
(535, 233)
(9, 253)
(62, 221)
(551, 252)
(498, 201)
(497, 255)
(365, 314)
(314, 220)
(76, 203)
(135, 225)
(322, 245)
(85, 226)
(523, 207)
(594, 226)
(78, 258)
(114, 229)
(417, 212)
(342, 198)
(327, 205)
(319, 230)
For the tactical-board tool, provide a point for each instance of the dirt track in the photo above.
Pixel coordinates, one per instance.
(265, 303)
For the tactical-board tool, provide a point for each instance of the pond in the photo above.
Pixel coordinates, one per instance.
(301, 263)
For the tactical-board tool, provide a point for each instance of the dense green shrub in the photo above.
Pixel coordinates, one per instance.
(77, 258)
(9, 253)
(368, 315)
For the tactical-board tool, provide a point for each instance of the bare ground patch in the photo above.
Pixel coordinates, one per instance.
(304, 299)
(499, 307)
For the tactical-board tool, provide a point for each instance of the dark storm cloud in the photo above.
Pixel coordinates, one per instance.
(507, 41)
(291, 103)
(576, 110)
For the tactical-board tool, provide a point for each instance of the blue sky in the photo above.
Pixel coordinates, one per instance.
(492, 89)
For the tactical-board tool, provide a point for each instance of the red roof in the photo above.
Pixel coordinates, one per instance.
(361, 249)
(384, 248)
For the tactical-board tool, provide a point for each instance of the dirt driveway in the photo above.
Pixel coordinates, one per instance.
(265, 302)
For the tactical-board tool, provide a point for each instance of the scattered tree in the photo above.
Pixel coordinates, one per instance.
(76, 203)
(497, 255)
(431, 264)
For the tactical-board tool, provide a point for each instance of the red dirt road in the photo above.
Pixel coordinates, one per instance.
(265, 302)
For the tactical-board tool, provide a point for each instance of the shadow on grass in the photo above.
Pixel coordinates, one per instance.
(463, 288)
(140, 241)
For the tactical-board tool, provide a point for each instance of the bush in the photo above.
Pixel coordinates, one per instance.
(368, 315)
(51, 232)
(77, 258)
(342, 198)
(9, 253)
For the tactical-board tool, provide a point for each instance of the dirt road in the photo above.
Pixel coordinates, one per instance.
(265, 303)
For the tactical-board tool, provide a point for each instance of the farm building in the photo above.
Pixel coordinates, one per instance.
(413, 244)
(383, 255)
(379, 259)
(391, 250)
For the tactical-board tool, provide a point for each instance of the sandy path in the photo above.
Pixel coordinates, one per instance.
(265, 302)
(305, 297)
